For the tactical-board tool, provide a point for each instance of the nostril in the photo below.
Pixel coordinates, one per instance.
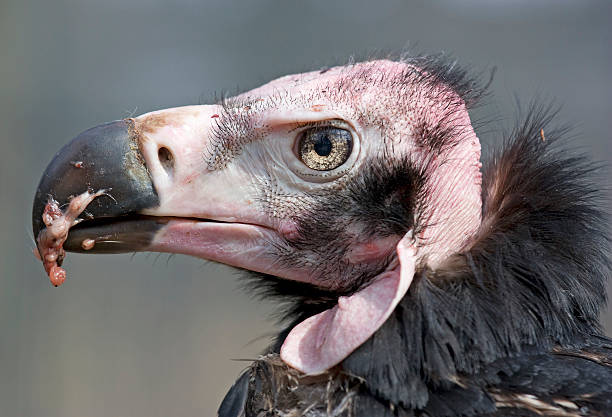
(166, 159)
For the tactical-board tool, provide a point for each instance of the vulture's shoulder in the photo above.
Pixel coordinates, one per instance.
(563, 382)
(271, 388)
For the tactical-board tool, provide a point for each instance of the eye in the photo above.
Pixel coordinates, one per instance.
(325, 148)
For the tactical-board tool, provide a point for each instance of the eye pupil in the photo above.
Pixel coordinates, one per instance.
(323, 145)
(324, 148)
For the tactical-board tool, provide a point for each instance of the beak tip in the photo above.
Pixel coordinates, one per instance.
(103, 157)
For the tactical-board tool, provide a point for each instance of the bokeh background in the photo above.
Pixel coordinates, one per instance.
(150, 335)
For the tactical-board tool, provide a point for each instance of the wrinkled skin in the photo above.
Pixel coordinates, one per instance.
(233, 187)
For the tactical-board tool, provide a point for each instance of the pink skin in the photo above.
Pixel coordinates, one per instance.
(50, 240)
(453, 211)
(371, 250)
(201, 184)
(237, 244)
(324, 340)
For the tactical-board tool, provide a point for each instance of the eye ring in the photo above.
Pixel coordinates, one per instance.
(324, 148)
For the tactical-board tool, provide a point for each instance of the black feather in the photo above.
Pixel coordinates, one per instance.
(236, 398)
(514, 315)
(534, 276)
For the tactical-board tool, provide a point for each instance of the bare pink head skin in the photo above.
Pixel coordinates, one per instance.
(221, 156)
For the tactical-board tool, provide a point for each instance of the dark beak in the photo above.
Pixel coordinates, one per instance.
(104, 157)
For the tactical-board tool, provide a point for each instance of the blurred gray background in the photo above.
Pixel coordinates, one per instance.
(146, 335)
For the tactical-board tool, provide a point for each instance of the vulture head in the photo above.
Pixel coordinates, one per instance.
(356, 195)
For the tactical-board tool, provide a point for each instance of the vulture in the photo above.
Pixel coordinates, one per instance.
(412, 278)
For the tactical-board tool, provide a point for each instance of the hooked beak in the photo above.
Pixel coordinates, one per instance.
(160, 193)
(103, 157)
